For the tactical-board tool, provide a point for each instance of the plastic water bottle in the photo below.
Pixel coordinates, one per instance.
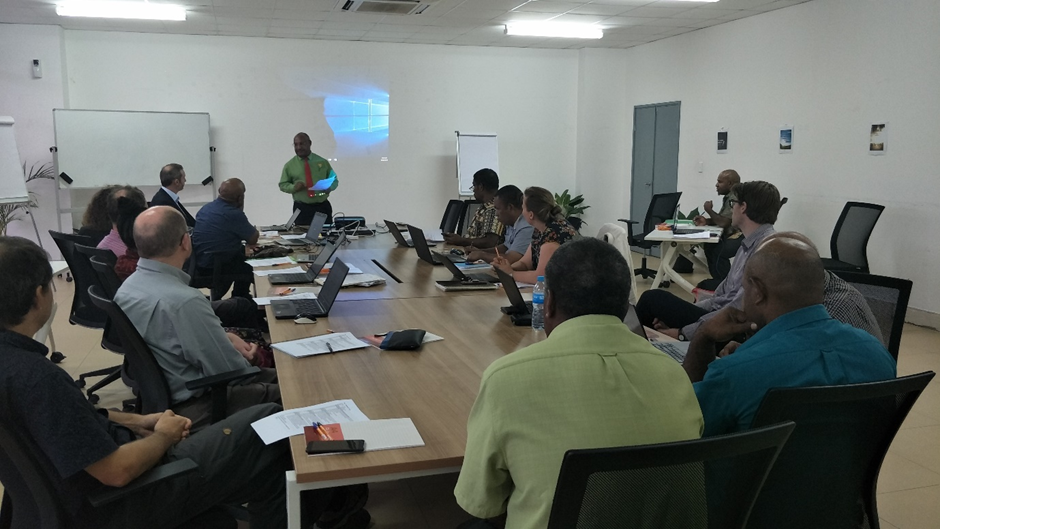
(537, 318)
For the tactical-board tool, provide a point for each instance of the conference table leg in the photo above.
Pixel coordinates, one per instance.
(294, 489)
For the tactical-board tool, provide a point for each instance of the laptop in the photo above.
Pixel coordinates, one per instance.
(425, 253)
(283, 227)
(285, 309)
(313, 235)
(401, 240)
(462, 276)
(315, 269)
(520, 311)
(676, 350)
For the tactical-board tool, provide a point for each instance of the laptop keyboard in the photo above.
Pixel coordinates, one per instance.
(676, 350)
(307, 306)
(295, 278)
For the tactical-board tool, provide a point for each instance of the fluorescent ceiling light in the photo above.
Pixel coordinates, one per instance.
(107, 9)
(553, 29)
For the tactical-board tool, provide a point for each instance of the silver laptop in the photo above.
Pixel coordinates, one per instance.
(283, 227)
(676, 350)
(313, 235)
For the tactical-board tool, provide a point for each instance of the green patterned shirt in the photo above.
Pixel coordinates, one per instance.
(294, 172)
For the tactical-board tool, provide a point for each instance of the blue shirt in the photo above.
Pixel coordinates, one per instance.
(517, 236)
(802, 348)
(219, 227)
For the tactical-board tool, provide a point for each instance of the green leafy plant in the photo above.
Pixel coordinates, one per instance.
(12, 212)
(689, 216)
(573, 207)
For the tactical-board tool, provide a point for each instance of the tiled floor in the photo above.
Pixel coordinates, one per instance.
(908, 487)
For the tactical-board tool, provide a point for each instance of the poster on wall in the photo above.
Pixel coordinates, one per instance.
(878, 138)
(786, 138)
(723, 141)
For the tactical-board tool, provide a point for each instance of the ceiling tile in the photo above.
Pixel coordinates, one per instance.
(549, 6)
(243, 22)
(656, 12)
(242, 12)
(286, 14)
(579, 19)
(597, 9)
(254, 4)
(305, 5)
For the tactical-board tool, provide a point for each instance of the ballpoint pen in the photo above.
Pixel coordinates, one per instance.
(321, 432)
(329, 345)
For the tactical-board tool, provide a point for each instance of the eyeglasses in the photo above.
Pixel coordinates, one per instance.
(733, 202)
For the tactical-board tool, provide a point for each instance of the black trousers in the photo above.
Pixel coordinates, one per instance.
(237, 312)
(261, 389)
(307, 211)
(718, 256)
(674, 311)
(240, 274)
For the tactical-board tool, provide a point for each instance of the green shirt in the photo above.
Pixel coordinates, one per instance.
(293, 172)
(591, 384)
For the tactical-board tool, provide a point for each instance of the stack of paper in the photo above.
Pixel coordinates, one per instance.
(271, 261)
(302, 295)
(359, 280)
(293, 270)
(321, 344)
(287, 423)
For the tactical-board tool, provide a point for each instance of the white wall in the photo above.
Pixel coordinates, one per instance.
(30, 102)
(254, 90)
(830, 68)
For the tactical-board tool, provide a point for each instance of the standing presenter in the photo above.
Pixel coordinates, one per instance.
(298, 177)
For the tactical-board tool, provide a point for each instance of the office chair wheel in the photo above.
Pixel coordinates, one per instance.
(57, 357)
(82, 383)
(665, 284)
(93, 398)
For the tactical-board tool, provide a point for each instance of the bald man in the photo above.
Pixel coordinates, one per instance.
(179, 324)
(795, 342)
(300, 174)
(222, 226)
(718, 255)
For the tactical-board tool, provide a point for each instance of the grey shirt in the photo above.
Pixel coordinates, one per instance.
(847, 305)
(179, 325)
(517, 236)
(731, 290)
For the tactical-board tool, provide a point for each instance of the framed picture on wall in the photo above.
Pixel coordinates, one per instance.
(723, 141)
(786, 138)
(878, 138)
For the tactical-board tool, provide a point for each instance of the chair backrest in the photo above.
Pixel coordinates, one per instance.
(109, 281)
(103, 254)
(454, 215)
(888, 299)
(661, 208)
(140, 364)
(827, 473)
(664, 485)
(851, 234)
(31, 497)
(224, 265)
(617, 236)
(83, 312)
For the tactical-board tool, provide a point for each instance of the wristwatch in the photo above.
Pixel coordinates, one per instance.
(681, 337)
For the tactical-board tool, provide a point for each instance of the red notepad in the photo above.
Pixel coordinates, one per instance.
(333, 429)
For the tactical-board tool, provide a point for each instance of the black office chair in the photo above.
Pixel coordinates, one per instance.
(153, 392)
(826, 475)
(83, 312)
(87, 278)
(661, 208)
(93, 237)
(223, 274)
(850, 237)
(663, 485)
(454, 216)
(888, 299)
(31, 484)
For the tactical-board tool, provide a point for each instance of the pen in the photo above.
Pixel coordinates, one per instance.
(329, 347)
(322, 432)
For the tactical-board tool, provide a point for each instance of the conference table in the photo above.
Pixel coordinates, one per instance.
(675, 245)
(434, 386)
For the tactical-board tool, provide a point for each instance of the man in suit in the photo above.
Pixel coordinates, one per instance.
(172, 178)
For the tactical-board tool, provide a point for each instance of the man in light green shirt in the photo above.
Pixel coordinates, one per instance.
(300, 174)
(591, 384)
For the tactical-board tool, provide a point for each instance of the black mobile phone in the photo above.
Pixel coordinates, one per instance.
(335, 447)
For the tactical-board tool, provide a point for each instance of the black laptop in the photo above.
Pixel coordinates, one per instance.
(313, 235)
(401, 240)
(520, 311)
(462, 276)
(425, 253)
(315, 269)
(285, 309)
(283, 227)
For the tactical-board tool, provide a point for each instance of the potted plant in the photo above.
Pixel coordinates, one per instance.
(573, 207)
(12, 212)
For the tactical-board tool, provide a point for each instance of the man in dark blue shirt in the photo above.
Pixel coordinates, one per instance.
(222, 226)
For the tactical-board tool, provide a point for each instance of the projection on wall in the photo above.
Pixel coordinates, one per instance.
(360, 123)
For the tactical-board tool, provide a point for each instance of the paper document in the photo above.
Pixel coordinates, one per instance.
(353, 269)
(269, 234)
(285, 424)
(302, 295)
(359, 280)
(383, 434)
(316, 345)
(272, 271)
(271, 261)
(292, 236)
(466, 267)
(433, 235)
(323, 185)
(698, 235)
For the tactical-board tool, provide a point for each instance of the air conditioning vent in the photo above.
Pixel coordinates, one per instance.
(387, 7)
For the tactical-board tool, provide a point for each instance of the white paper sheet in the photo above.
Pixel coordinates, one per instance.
(698, 235)
(285, 424)
(272, 271)
(316, 345)
(271, 261)
(384, 434)
(269, 234)
(291, 236)
(362, 280)
(302, 295)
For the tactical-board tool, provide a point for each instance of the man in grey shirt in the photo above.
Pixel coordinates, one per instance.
(754, 210)
(508, 202)
(179, 324)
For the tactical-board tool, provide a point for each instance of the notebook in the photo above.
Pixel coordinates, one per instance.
(291, 308)
(313, 233)
(315, 269)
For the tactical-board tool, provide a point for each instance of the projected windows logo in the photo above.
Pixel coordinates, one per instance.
(361, 125)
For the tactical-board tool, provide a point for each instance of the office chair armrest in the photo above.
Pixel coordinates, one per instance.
(152, 477)
(222, 379)
(630, 223)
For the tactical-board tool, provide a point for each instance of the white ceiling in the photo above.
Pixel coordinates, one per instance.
(625, 23)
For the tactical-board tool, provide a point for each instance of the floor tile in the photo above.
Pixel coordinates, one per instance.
(911, 509)
(898, 473)
(919, 445)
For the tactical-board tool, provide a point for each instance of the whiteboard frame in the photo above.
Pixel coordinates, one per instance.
(466, 192)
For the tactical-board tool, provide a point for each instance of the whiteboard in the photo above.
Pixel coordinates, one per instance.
(475, 152)
(101, 147)
(12, 181)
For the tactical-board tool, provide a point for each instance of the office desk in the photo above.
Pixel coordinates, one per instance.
(435, 387)
(673, 247)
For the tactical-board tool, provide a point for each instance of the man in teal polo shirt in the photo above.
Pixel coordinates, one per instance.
(300, 174)
(591, 384)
